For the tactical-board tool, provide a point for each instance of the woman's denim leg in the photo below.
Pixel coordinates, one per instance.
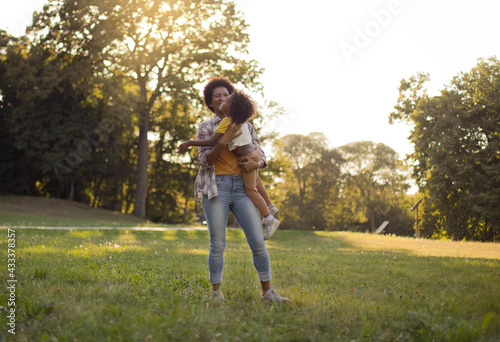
(232, 196)
(248, 218)
(216, 211)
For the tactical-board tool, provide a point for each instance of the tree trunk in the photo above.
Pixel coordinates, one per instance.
(372, 221)
(142, 168)
(60, 190)
(117, 203)
(158, 151)
(97, 191)
(120, 195)
(129, 194)
(71, 195)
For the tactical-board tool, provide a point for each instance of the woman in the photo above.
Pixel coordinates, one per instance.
(220, 188)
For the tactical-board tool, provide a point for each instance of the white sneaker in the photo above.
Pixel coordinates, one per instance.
(273, 297)
(273, 210)
(217, 297)
(270, 227)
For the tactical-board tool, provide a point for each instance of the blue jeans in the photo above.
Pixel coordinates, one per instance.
(232, 196)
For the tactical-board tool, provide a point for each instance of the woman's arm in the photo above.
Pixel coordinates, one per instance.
(208, 154)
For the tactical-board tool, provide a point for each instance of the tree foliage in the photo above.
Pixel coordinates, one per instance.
(91, 80)
(374, 181)
(353, 187)
(96, 97)
(456, 154)
(62, 118)
(166, 47)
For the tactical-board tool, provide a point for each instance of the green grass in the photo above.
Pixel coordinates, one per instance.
(135, 285)
(51, 212)
(127, 285)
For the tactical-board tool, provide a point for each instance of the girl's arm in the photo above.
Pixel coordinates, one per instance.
(207, 142)
(231, 133)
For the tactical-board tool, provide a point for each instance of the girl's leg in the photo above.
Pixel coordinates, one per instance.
(250, 181)
(262, 191)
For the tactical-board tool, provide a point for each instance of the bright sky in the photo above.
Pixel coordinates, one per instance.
(335, 66)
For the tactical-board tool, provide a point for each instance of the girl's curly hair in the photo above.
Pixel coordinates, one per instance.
(215, 82)
(242, 107)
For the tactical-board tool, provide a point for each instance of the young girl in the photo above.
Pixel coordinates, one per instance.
(240, 108)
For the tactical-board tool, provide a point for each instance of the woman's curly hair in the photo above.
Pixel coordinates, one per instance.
(242, 107)
(215, 82)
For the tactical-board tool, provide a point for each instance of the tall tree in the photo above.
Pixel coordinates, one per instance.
(456, 141)
(373, 180)
(171, 181)
(15, 174)
(302, 151)
(57, 111)
(311, 174)
(165, 46)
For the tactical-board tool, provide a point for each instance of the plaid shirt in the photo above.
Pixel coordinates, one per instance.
(205, 183)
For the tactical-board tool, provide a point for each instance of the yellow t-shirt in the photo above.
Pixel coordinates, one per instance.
(227, 163)
(243, 139)
(223, 125)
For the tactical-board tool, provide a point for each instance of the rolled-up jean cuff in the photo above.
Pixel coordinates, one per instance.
(215, 278)
(265, 276)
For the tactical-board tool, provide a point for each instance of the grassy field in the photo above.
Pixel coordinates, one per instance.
(130, 285)
(40, 211)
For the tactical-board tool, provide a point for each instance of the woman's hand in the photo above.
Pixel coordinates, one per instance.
(231, 133)
(248, 165)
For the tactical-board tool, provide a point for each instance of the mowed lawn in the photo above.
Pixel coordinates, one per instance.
(127, 285)
(29, 211)
(136, 285)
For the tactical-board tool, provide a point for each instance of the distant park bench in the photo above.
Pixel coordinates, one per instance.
(382, 227)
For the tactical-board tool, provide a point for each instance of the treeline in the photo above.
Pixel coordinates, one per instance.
(96, 97)
(455, 163)
(456, 158)
(72, 124)
(354, 187)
